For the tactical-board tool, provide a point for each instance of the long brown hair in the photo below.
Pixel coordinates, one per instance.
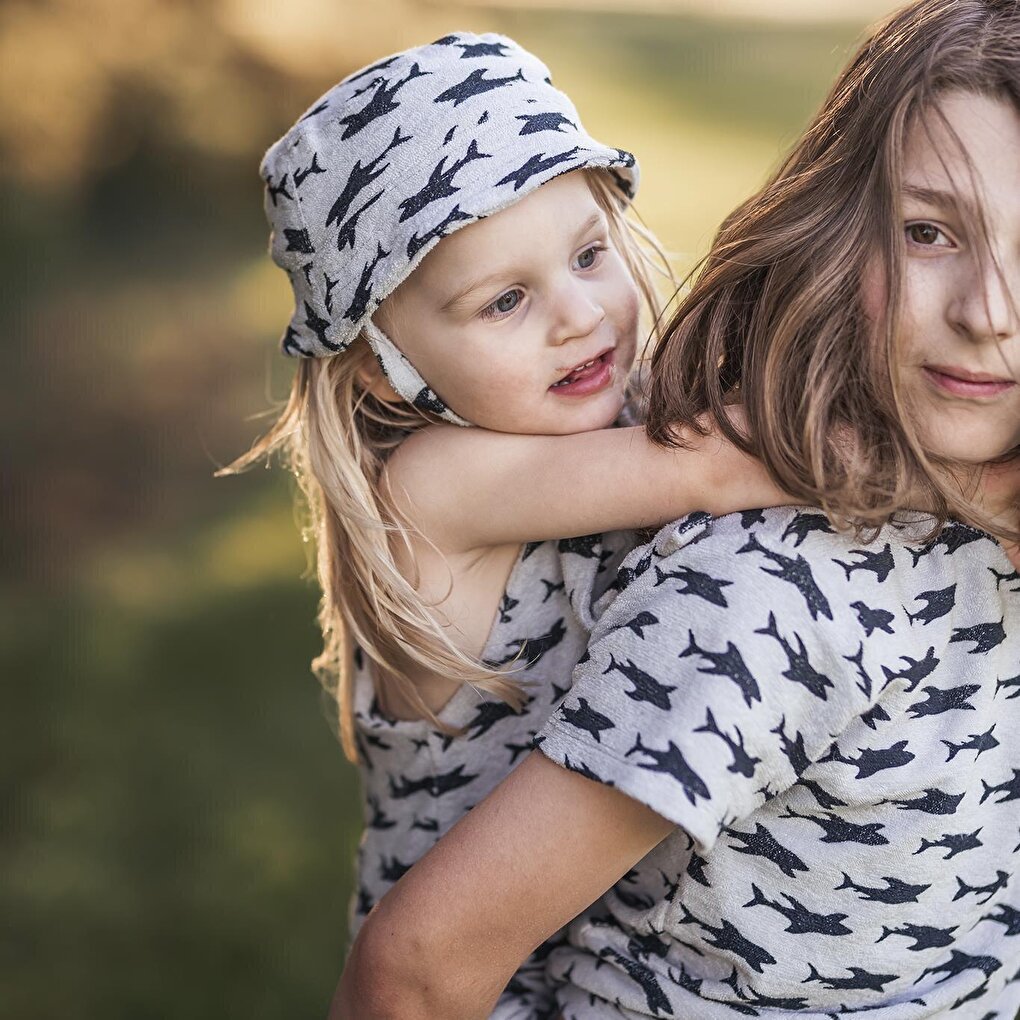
(774, 318)
(335, 437)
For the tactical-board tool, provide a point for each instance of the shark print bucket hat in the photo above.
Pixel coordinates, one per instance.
(394, 158)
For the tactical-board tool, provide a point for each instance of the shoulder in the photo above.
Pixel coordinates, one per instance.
(733, 544)
(792, 557)
(748, 573)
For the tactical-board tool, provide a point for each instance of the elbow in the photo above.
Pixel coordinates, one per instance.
(389, 976)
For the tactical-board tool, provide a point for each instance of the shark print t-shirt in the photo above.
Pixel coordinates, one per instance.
(417, 782)
(832, 727)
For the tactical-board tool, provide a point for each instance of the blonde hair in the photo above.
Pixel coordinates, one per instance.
(335, 437)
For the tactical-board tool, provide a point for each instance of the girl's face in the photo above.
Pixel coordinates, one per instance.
(525, 321)
(959, 341)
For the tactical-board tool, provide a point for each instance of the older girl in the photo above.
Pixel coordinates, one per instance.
(788, 754)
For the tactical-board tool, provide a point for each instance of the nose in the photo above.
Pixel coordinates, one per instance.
(577, 311)
(986, 308)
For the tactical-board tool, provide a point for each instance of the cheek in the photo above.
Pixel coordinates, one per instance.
(481, 378)
(624, 307)
(874, 294)
(910, 325)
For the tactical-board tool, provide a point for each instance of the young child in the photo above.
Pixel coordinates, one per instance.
(788, 753)
(459, 255)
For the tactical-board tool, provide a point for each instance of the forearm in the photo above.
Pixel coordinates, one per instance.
(446, 939)
(511, 488)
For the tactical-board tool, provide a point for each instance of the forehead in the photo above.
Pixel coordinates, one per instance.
(971, 150)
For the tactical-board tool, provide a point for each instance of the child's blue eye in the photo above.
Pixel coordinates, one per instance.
(503, 305)
(589, 256)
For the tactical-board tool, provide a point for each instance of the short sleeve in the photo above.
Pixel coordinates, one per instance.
(718, 673)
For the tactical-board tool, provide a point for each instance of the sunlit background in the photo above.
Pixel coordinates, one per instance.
(179, 822)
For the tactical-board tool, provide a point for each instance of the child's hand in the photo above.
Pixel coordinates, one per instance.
(738, 480)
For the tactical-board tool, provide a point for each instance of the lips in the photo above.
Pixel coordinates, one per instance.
(584, 366)
(587, 376)
(961, 382)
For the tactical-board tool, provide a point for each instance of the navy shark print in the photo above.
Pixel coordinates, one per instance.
(363, 292)
(536, 122)
(830, 751)
(475, 84)
(360, 178)
(937, 604)
(440, 183)
(537, 164)
(383, 102)
(418, 241)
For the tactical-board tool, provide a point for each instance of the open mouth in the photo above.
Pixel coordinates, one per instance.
(589, 377)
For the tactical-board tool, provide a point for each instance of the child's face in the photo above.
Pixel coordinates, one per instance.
(503, 310)
(959, 341)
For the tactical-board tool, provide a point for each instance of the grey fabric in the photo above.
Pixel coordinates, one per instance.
(404, 377)
(396, 157)
(416, 782)
(832, 728)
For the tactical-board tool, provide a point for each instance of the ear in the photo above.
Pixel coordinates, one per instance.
(372, 380)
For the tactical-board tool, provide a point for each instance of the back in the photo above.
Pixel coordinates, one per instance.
(832, 729)
(417, 782)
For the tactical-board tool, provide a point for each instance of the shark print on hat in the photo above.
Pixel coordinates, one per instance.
(828, 733)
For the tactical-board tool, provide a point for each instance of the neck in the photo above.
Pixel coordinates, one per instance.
(993, 491)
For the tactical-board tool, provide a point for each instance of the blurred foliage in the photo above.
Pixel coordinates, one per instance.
(181, 823)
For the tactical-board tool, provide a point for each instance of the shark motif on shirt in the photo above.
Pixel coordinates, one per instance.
(959, 962)
(924, 936)
(761, 843)
(895, 891)
(976, 742)
(881, 564)
(954, 843)
(799, 668)
(672, 762)
(796, 571)
(802, 921)
(743, 763)
(696, 583)
(937, 604)
(728, 663)
(873, 619)
(645, 686)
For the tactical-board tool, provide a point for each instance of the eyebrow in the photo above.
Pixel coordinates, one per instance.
(932, 196)
(596, 219)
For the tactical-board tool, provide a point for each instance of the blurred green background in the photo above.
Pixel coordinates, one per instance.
(179, 822)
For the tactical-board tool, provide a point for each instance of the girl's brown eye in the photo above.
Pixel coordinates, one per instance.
(923, 233)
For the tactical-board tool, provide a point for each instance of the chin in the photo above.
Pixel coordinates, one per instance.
(970, 435)
(964, 449)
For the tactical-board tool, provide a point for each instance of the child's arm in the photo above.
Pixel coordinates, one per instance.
(471, 488)
(449, 935)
